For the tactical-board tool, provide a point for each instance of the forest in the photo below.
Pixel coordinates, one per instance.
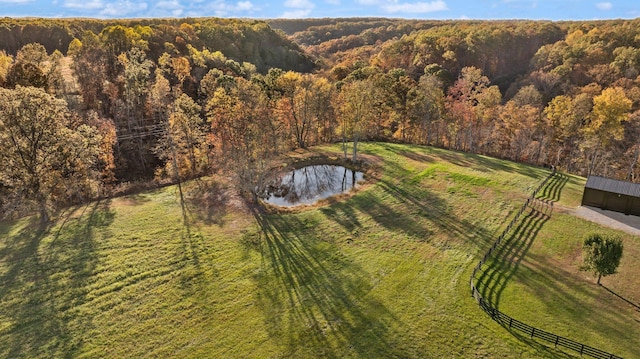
(93, 108)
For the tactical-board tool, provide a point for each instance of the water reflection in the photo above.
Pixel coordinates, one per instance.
(310, 184)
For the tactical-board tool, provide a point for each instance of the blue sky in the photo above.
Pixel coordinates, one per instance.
(414, 9)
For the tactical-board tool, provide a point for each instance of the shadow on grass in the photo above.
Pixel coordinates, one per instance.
(402, 206)
(316, 301)
(508, 256)
(44, 275)
(553, 283)
(207, 199)
(474, 161)
(552, 191)
(193, 257)
(622, 298)
(556, 352)
(423, 205)
(575, 304)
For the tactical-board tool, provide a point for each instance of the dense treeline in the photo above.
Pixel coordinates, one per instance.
(164, 100)
(549, 78)
(240, 40)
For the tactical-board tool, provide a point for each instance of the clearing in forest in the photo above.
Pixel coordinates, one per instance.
(382, 273)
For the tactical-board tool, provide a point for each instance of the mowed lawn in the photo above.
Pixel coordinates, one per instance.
(384, 273)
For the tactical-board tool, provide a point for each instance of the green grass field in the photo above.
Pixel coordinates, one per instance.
(384, 273)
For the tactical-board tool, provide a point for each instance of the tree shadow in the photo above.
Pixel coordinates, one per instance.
(416, 156)
(563, 296)
(316, 301)
(474, 161)
(406, 207)
(506, 258)
(208, 200)
(635, 305)
(45, 271)
(344, 214)
(427, 205)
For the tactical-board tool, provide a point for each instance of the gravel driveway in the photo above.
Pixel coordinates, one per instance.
(616, 220)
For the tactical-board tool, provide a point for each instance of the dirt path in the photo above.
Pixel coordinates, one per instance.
(71, 84)
(621, 221)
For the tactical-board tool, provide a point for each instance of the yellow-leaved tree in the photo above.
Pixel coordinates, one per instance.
(610, 109)
(47, 155)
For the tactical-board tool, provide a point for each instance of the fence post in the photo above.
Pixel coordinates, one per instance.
(494, 312)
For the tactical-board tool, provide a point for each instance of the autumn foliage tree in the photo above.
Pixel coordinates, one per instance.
(610, 109)
(47, 157)
(183, 145)
(6, 61)
(356, 112)
(242, 132)
(565, 93)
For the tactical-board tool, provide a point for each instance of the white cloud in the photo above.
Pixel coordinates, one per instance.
(244, 6)
(521, 4)
(221, 8)
(119, 8)
(123, 9)
(83, 4)
(369, 2)
(299, 4)
(604, 6)
(168, 5)
(301, 9)
(296, 14)
(415, 8)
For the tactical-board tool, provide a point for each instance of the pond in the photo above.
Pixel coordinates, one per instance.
(310, 184)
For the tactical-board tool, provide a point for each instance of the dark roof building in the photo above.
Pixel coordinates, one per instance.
(613, 195)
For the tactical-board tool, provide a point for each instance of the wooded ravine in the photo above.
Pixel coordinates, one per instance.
(91, 108)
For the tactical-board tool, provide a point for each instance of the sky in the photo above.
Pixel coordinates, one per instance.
(409, 9)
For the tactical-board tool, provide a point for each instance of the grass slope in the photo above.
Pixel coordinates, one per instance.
(383, 273)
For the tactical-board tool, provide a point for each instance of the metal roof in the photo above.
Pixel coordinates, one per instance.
(613, 186)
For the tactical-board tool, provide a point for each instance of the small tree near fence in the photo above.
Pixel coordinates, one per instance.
(601, 254)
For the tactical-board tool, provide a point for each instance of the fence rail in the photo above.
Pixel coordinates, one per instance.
(514, 324)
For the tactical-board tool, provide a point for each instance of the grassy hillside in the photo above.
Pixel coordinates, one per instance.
(383, 273)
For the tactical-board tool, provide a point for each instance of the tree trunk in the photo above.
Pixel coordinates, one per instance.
(599, 277)
(44, 214)
(344, 147)
(633, 164)
(593, 161)
(355, 149)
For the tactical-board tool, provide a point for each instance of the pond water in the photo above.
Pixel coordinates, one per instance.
(310, 184)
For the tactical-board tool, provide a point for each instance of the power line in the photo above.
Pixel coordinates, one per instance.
(154, 130)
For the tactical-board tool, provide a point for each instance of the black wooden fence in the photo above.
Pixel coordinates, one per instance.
(513, 324)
